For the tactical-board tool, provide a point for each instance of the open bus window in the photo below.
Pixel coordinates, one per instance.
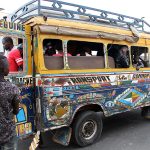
(140, 57)
(51, 50)
(85, 55)
(118, 56)
(51, 46)
(77, 53)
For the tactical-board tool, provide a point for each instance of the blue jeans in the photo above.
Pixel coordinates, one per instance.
(10, 145)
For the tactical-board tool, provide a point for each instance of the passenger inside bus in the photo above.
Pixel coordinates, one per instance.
(75, 61)
(49, 49)
(138, 62)
(59, 50)
(86, 51)
(72, 48)
(118, 55)
(83, 48)
(139, 57)
(122, 58)
(81, 51)
(14, 56)
(20, 48)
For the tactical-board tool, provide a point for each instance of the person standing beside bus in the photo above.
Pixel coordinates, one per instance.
(14, 57)
(9, 106)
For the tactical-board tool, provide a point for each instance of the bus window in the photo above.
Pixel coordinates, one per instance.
(85, 55)
(13, 49)
(140, 57)
(118, 56)
(20, 41)
(51, 49)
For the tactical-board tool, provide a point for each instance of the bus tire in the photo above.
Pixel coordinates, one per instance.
(146, 112)
(87, 128)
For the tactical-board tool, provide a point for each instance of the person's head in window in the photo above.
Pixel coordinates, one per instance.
(7, 43)
(72, 48)
(4, 66)
(20, 48)
(122, 59)
(124, 50)
(49, 49)
(59, 50)
(86, 51)
(58, 47)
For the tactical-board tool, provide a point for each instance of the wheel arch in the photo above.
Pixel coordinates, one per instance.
(90, 107)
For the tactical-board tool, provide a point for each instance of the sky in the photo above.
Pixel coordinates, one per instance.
(135, 8)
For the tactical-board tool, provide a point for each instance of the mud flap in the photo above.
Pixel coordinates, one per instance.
(63, 136)
(146, 112)
(35, 141)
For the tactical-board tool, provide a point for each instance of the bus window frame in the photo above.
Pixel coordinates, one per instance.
(17, 35)
(44, 70)
(148, 52)
(25, 61)
(86, 56)
(65, 58)
(121, 44)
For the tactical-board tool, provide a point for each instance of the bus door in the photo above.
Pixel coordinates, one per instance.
(25, 118)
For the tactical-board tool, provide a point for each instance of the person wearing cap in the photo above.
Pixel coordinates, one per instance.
(14, 57)
(9, 106)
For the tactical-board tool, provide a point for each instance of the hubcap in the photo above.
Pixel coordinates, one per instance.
(89, 129)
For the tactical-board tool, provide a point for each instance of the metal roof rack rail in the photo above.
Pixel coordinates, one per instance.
(65, 10)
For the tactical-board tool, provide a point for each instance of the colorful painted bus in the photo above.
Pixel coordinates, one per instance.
(76, 68)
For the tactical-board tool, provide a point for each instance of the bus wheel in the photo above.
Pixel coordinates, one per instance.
(146, 112)
(87, 128)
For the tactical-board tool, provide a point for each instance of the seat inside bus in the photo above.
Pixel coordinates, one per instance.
(75, 62)
(111, 62)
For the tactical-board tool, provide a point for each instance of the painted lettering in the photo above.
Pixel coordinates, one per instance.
(74, 80)
(87, 80)
(141, 76)
(12, 26)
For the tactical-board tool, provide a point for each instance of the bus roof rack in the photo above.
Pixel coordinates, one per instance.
(65, 10)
